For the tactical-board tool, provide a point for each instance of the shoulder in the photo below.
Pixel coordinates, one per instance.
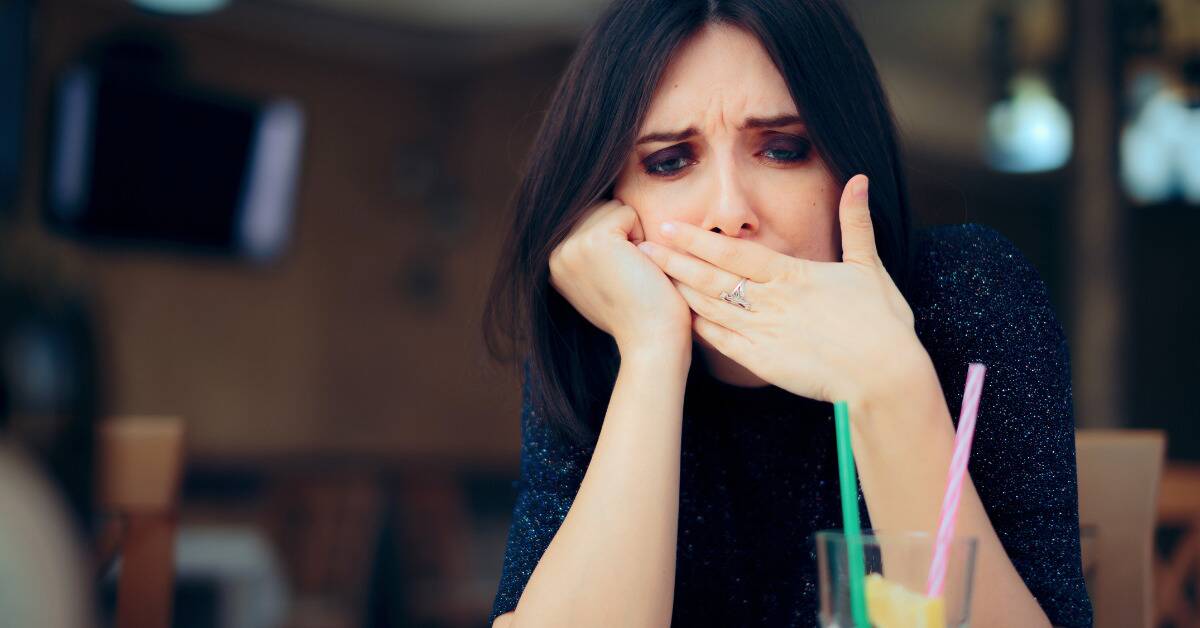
(972, 282)
(975, 259)
(974, 292)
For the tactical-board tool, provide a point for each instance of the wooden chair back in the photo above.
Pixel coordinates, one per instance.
(1119, 473)
(141, 466)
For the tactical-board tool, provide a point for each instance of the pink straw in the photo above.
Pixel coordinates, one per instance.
(958, 471)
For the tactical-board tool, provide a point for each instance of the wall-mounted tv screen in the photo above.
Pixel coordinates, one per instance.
(14, 57)
(149, 162)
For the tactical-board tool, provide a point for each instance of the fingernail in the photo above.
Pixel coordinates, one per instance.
(647, 247)
(861, 192)
(669, 229)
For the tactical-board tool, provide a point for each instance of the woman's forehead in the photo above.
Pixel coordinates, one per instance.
(722, 75)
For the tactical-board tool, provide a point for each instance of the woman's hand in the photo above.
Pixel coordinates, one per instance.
(600, 272)
(824, 330)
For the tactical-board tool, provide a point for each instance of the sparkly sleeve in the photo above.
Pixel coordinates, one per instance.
(983, 301)
(552, 469)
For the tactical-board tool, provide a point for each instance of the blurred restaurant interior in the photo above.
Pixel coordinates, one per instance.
(244, 247)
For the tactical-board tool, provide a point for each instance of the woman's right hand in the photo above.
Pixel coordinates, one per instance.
(601, 272)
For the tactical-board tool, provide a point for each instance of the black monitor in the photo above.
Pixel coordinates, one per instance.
(143, 160)
(14, 66)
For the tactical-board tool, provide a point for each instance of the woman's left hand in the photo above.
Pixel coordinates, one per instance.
(824, 330)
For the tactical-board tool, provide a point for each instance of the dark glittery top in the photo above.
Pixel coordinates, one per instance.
(757, 481)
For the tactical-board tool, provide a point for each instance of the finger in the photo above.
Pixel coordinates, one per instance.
(690, 270)
(741, 257)
(628, 222)
(636, 233)
(731, 344)
(858, 232)
(725, 314)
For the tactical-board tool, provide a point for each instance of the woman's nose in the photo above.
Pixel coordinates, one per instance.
(731, 211)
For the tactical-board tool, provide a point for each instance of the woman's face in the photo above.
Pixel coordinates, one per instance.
(723, 147)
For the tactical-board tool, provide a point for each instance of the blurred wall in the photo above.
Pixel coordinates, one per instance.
(332, 350)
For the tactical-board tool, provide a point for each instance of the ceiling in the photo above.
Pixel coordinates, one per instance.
(473, 15)
(930, 53)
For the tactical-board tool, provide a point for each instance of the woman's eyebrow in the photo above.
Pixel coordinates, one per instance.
(667, 136)
(750, 123)
(786, 119)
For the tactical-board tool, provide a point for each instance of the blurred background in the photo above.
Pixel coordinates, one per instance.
(244, 246)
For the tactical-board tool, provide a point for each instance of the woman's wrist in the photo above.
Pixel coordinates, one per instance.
(905, 401)
(660, 353)
(903, 440)
(663, 357)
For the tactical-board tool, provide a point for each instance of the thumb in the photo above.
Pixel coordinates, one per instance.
(854, 214)
(637, 235)
(631, 224)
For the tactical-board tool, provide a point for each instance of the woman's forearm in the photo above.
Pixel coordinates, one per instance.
(903, 444)
(612, 561)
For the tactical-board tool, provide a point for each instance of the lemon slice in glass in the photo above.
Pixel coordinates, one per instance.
(893, 606)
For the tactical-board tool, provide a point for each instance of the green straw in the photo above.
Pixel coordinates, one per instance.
(852, 529)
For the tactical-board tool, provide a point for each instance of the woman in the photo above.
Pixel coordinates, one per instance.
(696, 269)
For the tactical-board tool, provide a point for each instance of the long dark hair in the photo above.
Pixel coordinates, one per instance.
(586, 137)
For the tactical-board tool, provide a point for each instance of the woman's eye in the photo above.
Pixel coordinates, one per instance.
(667, 162)
(788, 151)
(667, 167)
